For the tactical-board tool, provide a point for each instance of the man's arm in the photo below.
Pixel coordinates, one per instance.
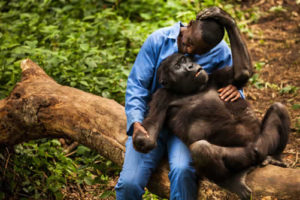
(138, 84)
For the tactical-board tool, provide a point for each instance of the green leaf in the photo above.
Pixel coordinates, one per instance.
(84, 47)
(91, 63)
(55, 142)
(82, 150)
(58, 196)
(89, 180)
(258, 65)
(296, 107)
(84, 83)
(288, 89)
(106, 194)
(277, 9)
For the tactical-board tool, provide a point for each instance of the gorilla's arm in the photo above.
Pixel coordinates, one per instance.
(154, 121)
(157, 111)
(242, 66)
(222, 77)
(241, 59)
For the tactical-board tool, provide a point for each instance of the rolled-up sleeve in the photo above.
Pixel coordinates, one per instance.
(138, 84)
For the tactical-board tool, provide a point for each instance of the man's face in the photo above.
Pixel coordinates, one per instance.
(190, 41)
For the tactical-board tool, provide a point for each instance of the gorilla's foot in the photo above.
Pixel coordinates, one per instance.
(237, 184)
(274, 161)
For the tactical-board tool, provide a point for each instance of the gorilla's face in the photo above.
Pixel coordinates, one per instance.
(181, 75)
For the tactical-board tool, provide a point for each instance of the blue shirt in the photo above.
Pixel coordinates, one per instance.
(142, 81)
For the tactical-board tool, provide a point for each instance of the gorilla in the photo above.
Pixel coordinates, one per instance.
(225, 139)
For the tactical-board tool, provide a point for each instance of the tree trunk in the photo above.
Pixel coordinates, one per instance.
(38, 107)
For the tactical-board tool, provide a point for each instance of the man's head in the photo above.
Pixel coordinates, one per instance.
(199, 36)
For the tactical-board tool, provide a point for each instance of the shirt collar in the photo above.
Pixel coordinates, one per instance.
(175, 30)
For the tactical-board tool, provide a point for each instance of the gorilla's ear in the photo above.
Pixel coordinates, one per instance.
(161, 76)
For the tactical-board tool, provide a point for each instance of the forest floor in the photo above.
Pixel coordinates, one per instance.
(276, 43)
(275, 51)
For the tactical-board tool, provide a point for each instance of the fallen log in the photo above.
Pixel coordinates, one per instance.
(38, 107)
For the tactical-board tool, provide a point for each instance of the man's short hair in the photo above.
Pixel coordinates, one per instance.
(212, 32)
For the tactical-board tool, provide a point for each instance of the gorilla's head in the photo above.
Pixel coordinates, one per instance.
(181, 75)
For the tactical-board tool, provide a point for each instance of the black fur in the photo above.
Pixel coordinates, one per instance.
(225, 138)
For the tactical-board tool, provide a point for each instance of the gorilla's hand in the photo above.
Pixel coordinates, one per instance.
(217, 14)
(141, 139)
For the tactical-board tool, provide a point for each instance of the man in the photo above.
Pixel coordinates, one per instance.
(202, 39)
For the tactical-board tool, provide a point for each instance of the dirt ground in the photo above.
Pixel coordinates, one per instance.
(276, 44)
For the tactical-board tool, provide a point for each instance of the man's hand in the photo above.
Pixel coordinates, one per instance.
(217, 14)
(137, 127)
(141, 139)
(229, 93)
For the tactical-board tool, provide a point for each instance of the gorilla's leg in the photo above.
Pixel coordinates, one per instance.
(217, 162)
(227, 166)
(275, 128)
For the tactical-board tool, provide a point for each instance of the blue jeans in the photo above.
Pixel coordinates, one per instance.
(138, 167)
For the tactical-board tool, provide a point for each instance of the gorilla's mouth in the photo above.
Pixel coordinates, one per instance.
(198, 72)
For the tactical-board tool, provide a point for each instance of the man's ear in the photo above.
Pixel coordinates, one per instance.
(190, 23)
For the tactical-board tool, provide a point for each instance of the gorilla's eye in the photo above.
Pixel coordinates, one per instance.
(181, 60)
(177, 66)
(163, 82)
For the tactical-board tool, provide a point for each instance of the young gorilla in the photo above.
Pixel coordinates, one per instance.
(225, 138)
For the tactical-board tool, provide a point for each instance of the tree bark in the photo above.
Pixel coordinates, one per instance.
(38, 107)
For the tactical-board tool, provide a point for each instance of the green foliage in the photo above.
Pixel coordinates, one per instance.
(259, 65)
(296, 107)
(277, 9)
(41, 169)
(74, 42)
(259, 83)
(90, 45)
(256, 81)
(150, 196)
(290, 89)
